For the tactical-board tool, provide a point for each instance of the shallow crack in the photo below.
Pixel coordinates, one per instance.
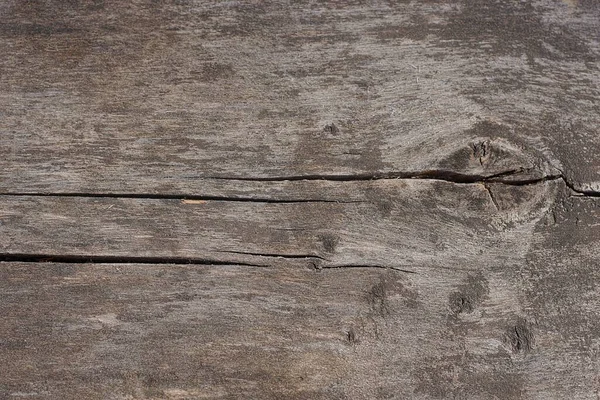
(492, 197)
(353, 266)
(275, 255)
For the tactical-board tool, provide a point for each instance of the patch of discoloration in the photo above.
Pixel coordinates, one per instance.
(468, 376)
(571, 3)
(469, 295)
(213, 71)
(417, 29)
(377, 297)
(352, 336)
(329, 242)
(494, 26)
(380, 296)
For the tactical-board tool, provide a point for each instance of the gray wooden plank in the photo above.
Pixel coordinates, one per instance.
(274, 146)
(519, 324)
(171, 331)
(500, 301)
(388, 222)
(155, 97)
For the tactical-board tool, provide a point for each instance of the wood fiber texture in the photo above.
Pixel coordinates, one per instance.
(299, 199)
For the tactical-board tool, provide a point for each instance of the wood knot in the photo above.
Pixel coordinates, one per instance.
(520, 337)
(331, 129)
(481, 151)
(351, 336)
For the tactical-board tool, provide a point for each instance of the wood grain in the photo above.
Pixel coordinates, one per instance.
(389, 223)
(517, 324)
(154, 97)
(487, 302)
(299, 200)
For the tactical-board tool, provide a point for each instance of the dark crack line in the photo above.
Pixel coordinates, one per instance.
(99, 259)
(353, 266)
(436, 175)
(440, 175)
(581, 192)
(274, 255)
(525, 182)
(180, 197)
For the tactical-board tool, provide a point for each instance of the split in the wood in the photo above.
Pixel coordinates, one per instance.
(100, 259)
(103, 259)
(510, 177)
(582, 192)
(492, 197)
(305, 256)
(440, 175)
(184, 198)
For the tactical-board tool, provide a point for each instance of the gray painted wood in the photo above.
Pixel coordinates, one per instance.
(303, 200)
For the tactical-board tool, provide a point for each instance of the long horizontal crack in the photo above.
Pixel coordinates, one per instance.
(447, 176)
(352, 266)
(291, 256)
(441, 175)
(181, 197)
(100, 259)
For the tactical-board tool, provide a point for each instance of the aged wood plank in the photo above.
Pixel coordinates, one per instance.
(155, 97)
(521, 325)
(376, 200)
(390, 223)
(172, 331)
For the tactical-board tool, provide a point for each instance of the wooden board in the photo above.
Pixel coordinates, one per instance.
(508, 324)
(155, 97)
(299, 200)
(390, 223)
(477, 298)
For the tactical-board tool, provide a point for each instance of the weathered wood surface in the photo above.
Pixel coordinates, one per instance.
(390, 223)
(303, 200)
(155, 97)
(517, 319)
